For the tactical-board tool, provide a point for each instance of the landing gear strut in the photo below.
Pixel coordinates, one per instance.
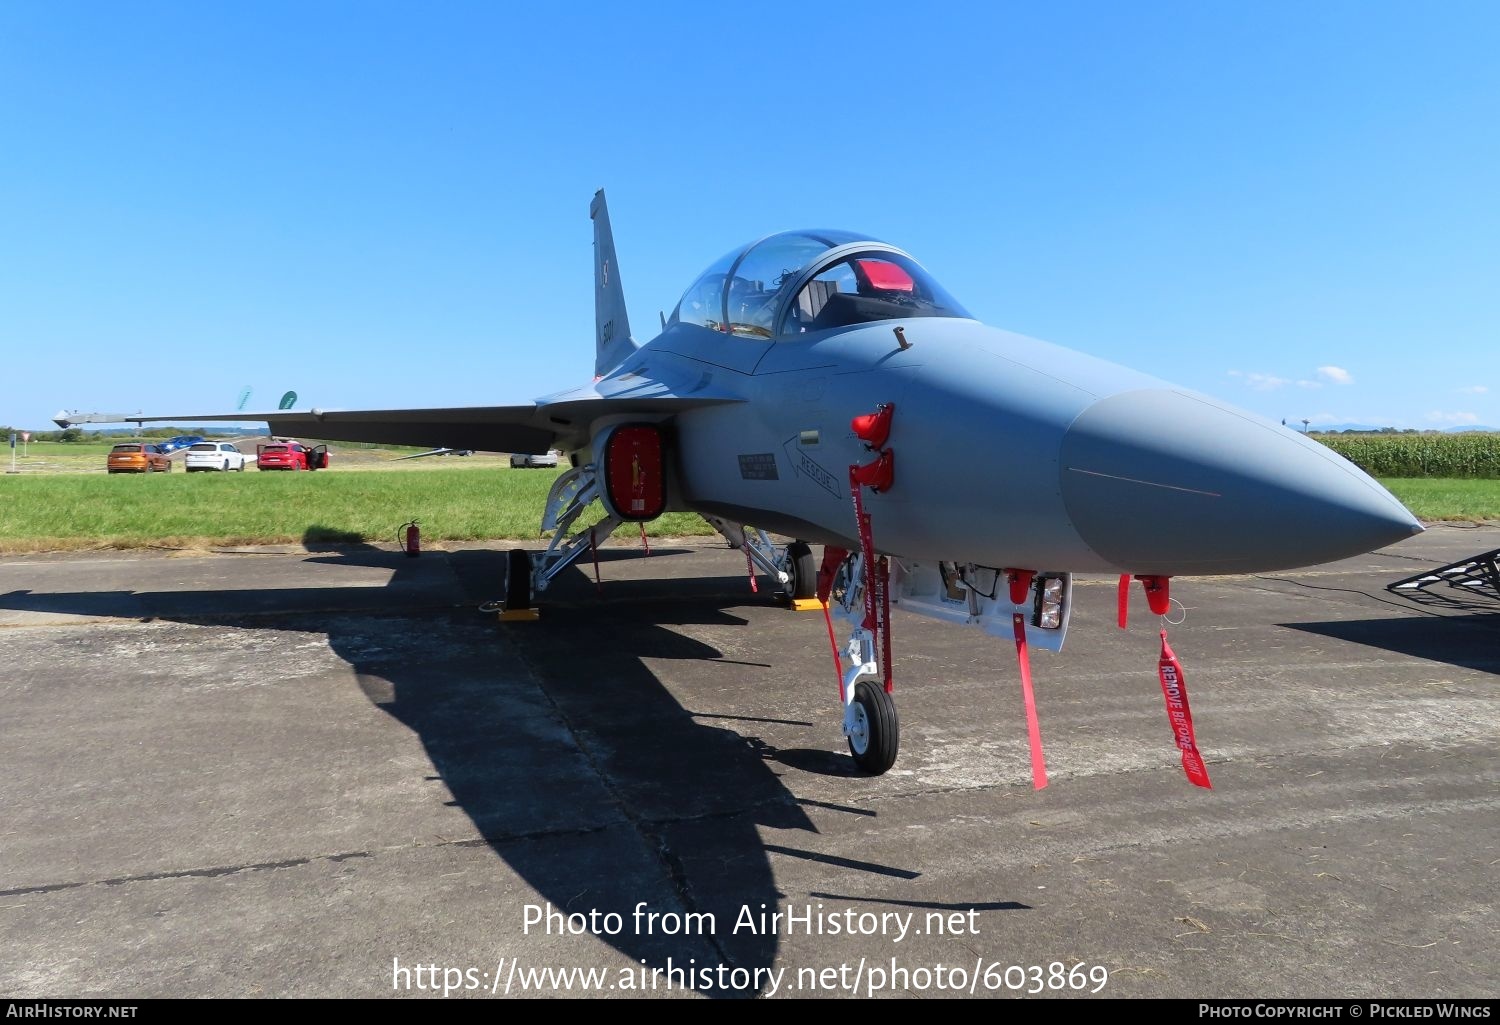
(871, 725)
(860, 588)
(792, 567)
(527, 575)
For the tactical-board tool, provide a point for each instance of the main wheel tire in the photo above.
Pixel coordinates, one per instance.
(877, 731)
(804, 571)
(226, 466)
(518, 579)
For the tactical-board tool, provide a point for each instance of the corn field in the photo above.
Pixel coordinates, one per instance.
(1419, 455)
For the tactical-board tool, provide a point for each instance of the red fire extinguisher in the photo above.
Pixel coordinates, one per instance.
(410, 539)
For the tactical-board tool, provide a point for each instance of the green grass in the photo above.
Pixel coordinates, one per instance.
(41, 512)
(61, 512)
(1432, 499)
(44, 457)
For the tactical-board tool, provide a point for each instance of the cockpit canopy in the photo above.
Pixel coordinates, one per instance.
(800, 281)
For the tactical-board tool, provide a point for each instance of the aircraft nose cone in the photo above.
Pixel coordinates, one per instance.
(1159, 481)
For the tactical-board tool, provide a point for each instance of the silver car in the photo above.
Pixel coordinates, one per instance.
(523, 461)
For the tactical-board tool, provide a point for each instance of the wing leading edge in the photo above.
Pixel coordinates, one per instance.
(535, 428)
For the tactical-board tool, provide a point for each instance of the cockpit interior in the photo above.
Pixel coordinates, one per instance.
(798, 282)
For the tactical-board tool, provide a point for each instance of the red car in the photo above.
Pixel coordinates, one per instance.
(291, 455)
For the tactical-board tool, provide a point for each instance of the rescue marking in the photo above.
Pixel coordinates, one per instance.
(804, 465)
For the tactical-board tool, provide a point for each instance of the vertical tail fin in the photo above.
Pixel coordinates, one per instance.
(611, 323)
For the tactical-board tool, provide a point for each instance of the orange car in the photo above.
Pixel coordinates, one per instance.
(138, 458)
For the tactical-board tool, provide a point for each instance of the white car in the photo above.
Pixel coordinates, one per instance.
(214, 455)
(522, 461)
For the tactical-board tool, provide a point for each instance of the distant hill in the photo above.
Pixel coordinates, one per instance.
(1370, 429)
(1330, 428)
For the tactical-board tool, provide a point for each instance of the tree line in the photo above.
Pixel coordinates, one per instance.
(78, 434)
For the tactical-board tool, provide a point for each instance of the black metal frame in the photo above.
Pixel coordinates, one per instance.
(1478, 576)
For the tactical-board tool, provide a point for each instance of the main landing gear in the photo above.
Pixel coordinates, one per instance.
(529, 575)
(791, 566)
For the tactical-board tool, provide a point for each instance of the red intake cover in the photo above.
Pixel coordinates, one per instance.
(633, 475)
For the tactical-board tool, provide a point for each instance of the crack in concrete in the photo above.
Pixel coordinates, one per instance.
(187, 873)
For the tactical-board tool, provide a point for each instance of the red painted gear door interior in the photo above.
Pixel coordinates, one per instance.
(633, 474)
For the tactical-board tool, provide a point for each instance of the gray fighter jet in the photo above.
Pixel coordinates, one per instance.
(820, 386)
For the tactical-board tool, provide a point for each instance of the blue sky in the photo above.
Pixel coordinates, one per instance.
(1291, 206)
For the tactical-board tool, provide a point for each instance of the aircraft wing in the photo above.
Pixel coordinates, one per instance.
(535, 428)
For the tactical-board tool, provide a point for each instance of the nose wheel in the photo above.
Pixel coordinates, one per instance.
(873, 728)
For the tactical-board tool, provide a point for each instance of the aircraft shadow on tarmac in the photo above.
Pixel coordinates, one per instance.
(1469, 641)
(657, 801)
